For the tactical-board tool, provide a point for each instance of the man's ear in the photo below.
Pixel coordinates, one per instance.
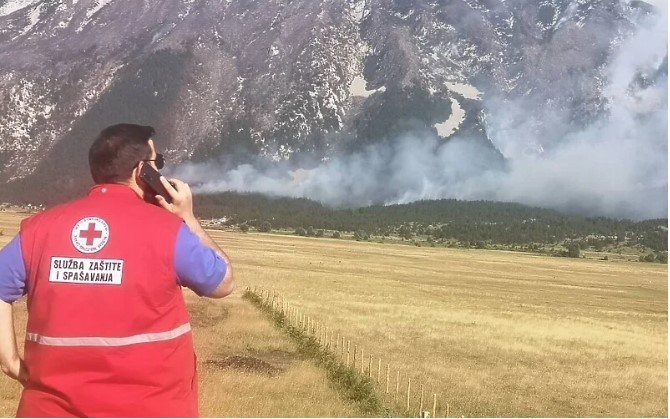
(136, 172)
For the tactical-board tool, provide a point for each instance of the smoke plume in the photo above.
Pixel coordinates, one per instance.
(616, 165)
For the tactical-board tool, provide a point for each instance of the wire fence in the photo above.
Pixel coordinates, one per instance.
(399, 390)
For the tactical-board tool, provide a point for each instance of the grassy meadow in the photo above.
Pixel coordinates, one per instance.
(246, 367)
(493, 333)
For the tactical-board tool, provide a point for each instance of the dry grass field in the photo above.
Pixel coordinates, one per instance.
(246, 367)
(493, 333)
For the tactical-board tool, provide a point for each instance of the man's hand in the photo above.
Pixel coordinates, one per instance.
(10, 360)
(182, 206)
(182, 199)
(17, 370)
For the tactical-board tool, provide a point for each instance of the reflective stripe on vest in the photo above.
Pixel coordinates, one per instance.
(104, 341)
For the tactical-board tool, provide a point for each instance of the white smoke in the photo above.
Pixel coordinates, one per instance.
(617, 166)
(408, 169)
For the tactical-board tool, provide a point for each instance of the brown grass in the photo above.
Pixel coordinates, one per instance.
(247, 368)
(493, 333)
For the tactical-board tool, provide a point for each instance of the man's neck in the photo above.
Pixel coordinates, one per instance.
(134, 186)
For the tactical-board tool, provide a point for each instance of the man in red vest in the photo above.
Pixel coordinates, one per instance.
(108, 333)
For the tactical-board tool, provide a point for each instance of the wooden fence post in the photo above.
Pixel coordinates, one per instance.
(348, 351)
(379, 370)
(370, 367)
(409, 386)
(446, 411)
(397, 385)
(355, 352)
(421, 401)
(434, 403)
(388, 367)
(362, 362)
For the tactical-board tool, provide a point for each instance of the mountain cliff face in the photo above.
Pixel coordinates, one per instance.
(280, 78)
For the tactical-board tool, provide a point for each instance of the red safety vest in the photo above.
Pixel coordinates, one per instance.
(108, 333)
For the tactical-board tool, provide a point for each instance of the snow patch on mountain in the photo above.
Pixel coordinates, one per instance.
(91, 12)
(468, 91)
(358, 87)
(33, 19)
(12, 6)
(448, 127)
(31, 106)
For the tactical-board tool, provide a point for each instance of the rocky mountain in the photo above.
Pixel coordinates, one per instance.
(282, 78)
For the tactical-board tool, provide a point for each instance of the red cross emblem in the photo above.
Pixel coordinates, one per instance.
(91, 234)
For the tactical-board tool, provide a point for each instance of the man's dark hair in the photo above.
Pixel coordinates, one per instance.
(116, 151)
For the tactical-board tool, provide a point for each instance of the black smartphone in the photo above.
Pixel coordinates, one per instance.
(152, 177)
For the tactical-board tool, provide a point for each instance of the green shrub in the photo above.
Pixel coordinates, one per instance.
(361, 235)
(648, 258)
(573, 249)
(265, 227)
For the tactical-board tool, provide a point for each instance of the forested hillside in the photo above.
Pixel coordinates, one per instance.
(476, 223)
